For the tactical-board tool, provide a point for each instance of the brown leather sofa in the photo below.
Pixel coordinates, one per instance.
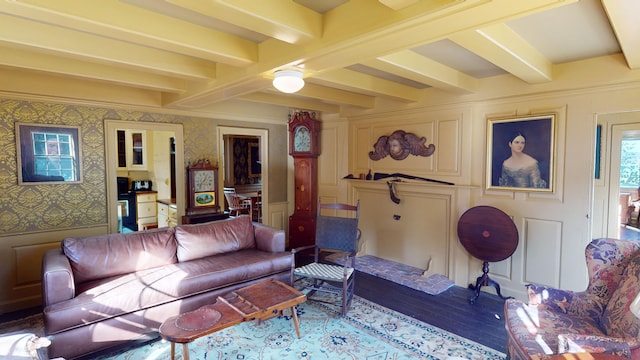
(102, 291)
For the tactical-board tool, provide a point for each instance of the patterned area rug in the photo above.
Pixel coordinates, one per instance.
(369, 331)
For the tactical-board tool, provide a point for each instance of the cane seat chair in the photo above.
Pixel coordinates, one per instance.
(237, 204)
(334, 234)
(257, 207)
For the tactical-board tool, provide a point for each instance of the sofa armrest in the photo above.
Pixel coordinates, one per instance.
(269, 238)
(57, 278)
(577, 343)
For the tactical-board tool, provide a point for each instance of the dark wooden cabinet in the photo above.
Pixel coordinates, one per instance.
(202, 218)
(303, 146)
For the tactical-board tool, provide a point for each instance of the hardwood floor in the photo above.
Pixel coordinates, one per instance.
(482, 322)
(629, 233)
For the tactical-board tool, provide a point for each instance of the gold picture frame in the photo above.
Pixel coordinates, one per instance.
(520, 153)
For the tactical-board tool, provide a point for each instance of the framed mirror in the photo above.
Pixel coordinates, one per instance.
(48, 153)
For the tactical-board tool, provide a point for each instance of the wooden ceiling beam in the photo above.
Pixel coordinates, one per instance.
(46, 63)
(349, 80)
(288, 21)
(362, 29)
(78, 45)
(623, 16)
(117, 20)
(504, 48)
(291, 101)
(337, 96)
(413, 66)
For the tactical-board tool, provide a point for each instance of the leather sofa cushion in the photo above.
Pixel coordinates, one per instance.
(95, 301)
(201, 240)
(98, 257)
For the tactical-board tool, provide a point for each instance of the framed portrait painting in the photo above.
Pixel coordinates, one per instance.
(48, 153)
(520, 153)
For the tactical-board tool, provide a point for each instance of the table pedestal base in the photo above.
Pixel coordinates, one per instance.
(485, 280)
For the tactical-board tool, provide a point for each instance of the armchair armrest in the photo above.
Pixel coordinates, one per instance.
(57, 278)
(301, 248)
(551, 298)
(268, 238)
(577, 343)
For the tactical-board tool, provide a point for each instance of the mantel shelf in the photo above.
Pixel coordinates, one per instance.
(412, 183)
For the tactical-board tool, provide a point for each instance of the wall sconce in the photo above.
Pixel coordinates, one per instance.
(288, 81)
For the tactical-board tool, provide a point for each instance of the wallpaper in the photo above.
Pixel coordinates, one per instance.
(40, 207)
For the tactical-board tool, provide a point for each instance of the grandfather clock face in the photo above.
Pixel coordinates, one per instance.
(301, 139)
(204, 180)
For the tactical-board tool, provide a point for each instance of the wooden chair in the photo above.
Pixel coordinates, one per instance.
(237, 204)
(333, 234)
(257, 208)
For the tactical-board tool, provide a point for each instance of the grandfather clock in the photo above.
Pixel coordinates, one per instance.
(304, 148)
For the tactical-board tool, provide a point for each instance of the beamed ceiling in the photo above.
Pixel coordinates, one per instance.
(196, 54)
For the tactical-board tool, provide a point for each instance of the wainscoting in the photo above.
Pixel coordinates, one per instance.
(420, 228)
(22, 265)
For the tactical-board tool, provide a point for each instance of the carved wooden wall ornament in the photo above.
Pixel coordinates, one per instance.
(399, 145)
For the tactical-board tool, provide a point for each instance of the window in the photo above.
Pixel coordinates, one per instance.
(630, 163)
(54, 155)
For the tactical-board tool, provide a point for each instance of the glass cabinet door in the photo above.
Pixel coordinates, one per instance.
(137, 149)
(132, 149)
(121, 137)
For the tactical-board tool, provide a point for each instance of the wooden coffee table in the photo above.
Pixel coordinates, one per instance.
(260, 301)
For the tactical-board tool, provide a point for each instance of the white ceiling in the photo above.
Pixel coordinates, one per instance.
(192, 54)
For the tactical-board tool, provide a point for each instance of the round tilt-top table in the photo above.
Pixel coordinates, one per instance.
(488, 234)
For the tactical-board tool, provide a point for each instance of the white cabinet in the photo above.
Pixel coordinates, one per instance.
(146, 209)
(167, 215)
(132, 149)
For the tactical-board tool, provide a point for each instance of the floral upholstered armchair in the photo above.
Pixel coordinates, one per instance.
(598, 319)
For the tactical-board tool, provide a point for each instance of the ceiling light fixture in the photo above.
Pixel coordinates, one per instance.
(288, 81)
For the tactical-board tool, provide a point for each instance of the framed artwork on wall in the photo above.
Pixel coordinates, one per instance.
(255, 166)
(520, 153)
(48, 153)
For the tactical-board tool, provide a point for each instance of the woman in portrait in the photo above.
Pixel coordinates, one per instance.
(520, 169)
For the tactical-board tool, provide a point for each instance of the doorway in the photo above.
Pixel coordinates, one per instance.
(166, 130)
(225, 151)
(607, 190)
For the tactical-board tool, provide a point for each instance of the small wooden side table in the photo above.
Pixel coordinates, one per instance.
(260, 301)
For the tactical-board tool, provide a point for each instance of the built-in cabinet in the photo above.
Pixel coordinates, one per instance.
(167, 214)
(146, 208)
(132, 149)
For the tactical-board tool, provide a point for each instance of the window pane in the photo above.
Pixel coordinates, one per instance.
(54, 155)
(630, 163)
